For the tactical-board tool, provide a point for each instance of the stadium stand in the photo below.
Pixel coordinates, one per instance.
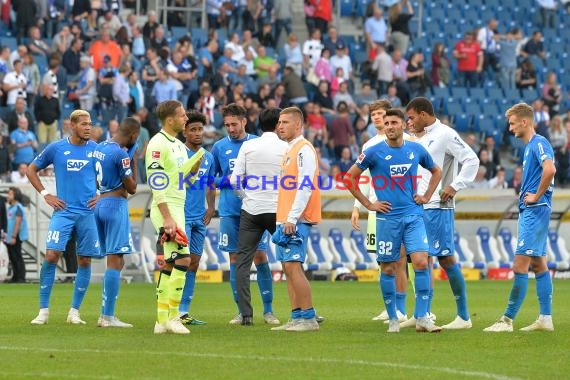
(557, 251)
(488, 249)
(364, 260)
(464, 255)
(216, 256)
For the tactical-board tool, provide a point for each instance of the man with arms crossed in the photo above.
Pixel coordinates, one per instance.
(117, 177)
(394, 162)
(448, 151)
(76, 185)
(535, 205)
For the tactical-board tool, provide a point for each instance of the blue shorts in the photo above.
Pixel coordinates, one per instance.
(295, 251)
(114, 226)
(196, 233)
(229, 235)
(440, 228)
(391, 233)
(533, 231)
(61, 226)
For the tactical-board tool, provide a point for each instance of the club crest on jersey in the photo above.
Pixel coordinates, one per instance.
(76, 165)
(411, 155)
(126, 163)
(399, 170)
(155, 154)
(361, 157)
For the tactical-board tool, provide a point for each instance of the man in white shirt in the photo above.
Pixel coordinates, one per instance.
(312, 49)
(15, 84)
(256, 171)
(375, 28)
(488, 41)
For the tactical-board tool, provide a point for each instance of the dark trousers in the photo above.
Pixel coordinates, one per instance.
(70, 255)
(17, 261)
(251, 229)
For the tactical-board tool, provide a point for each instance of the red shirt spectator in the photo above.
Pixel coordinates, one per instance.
(468, 53)
(102, 47)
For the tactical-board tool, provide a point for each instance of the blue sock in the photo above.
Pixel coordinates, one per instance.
(457, 283)
(388, 287)
(81, 284)
(401, 302)
(296, 313)
(518, 292)
(422, 282)
(111, 283)
(308, 313)
(47, 278)
(233, 282)
(187, 293)
(544, 292)
(265, 283)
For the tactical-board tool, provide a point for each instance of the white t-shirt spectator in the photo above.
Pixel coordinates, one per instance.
(344, 63)
(14, 79)
(313, 49)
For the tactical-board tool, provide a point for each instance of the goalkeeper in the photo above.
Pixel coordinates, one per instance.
(168, 167)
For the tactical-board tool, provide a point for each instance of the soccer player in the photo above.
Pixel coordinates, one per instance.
(448, 151)
(196, 214)
(298, 208)
(535, 205)
(167, 164)
(117, 177)
(393, 166)
(258, 160)
(377, 111)
(76, 184)
(225, 152)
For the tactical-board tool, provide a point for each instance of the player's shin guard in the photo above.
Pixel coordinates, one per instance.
(388, 287)
(544, 292)
(81, 285)
(518, 293)
(265, 282)
(111, 283)
(176, 286)
(233, 282)
(162, 296)
(47, 278)
(422, 282)
(187, 293)
(401, 302)
(457, 283)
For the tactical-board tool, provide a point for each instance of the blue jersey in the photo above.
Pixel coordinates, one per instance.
(75, 175)
(536, 152)
(195, 207)
(394, 174)
(225, 152)
(112, 164)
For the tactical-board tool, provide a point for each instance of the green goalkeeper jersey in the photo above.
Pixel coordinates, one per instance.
(168, 168)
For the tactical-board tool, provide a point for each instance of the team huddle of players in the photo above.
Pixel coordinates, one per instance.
(413, 220)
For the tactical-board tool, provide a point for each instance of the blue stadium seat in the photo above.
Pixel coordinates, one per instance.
(9, 42)
(558, 249)
(462, 122)
(346, 8)
(513, 95)
(218, 119)
(364, 260)
(318, 254)
(441, 92)
(338, 248)
(464, 255)
(477, 93)
(487, 246)
(452, 108)
(211, 241)
(505, 239)
(459, 92)
(360, 7)
(199, 37)
(472, 109)
(530, 95)
(178, 32)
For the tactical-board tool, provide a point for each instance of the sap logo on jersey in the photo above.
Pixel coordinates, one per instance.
(76, 165)
(399, 170)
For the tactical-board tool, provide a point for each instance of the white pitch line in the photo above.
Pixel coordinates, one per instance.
(453, 371)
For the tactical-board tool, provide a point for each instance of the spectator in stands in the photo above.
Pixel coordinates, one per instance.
(490, 167)
(249, 42)
(416, 75)
(344, 96)
(164, 88)
(158, 41)
(440, 66)
(487, 38)
(541, 118)
(206, 60)
(149, 75)
(294, 87)
(266, 36)
(80, 9)
(24, 143)
(112, 20)
(19, 176)
(525, 75)
(71, 59)
(280, 96)
(392, 96)
(283, 12)
(469, 61)
(382, 64)
(493, 154)
(375, 28)
(312, 49)
(323, 162)
(150, 25)
(341, 134)
(559, 142)
(121, 93)
(32, 73)
(122, 37)
(323, 69)
(293, 54)
(16, 232)
(548, 13)
(36, 44)
(136, 93)
(90, 26)
(516, 181)
(129, 59)
(323, 98)
(87, 83)
(112, 130)
(207, 103)
(552, 93)
(322, 15)
(342, 60)
(62, 40)
(262, 96)
(272, 78)
(534, 46)
(15, 84)
(5, 165)
(19, 112)
(480, 181)
(234, 45)
(139, 43)
(508, 58)
(472, 141)
(183, 70)
(400, 75)
(104, 47)
(399, 24)
(19, 53)
(264, 63)
(26, 16)
(249, 84)
(345, 161)
(498, 181)
(332, 40)
(97, 134)
(47, 114)
(236, 21)
(365, 96)
(5, 64)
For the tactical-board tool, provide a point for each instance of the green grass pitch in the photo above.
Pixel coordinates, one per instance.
(349, 346)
